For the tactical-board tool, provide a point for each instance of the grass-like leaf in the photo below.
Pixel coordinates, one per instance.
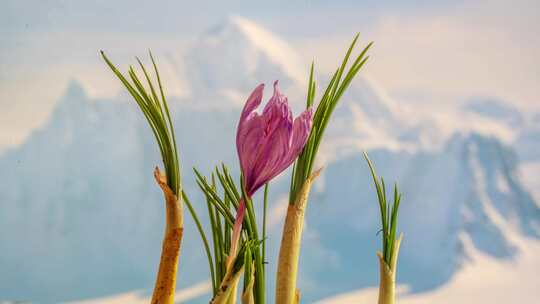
(221, 206)
(389, 213)
(339, 82)
(156, 112)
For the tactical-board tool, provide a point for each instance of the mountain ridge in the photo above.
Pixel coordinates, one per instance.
(85, 180)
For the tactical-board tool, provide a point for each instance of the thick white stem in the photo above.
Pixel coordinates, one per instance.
(289, 252)
(387, 284)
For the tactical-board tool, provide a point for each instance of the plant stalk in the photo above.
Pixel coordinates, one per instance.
(233, 294)
(387, 284)
(247, 295)
(227, 287)
(174, 227)
(289, 252)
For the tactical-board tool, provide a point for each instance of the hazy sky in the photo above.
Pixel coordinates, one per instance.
(425, 52)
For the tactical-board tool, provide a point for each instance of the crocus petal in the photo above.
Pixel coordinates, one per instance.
(249, 127)
(275, 146)
(270, 162)
(248, 113)
(268, 143)
(277, 97)
(276, 110)
(301, 130)
(251, 140)
(253, 101)
(296, 139)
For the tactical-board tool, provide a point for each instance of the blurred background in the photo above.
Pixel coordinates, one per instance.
(447, 107)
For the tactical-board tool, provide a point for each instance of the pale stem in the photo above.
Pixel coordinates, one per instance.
(387, 284)
(174, 227)
(289, 252)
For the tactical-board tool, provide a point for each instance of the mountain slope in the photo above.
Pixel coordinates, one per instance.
(82, 218)
(515, 281)
(469, 188)
(230, 59)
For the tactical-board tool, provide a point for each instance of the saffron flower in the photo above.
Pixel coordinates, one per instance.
(267, 143)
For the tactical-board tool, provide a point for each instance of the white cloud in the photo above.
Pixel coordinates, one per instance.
(439, 58)
(481, 48)
(41, 65)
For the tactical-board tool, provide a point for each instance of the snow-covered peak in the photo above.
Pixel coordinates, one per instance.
(237, 28)
(73, 105)
(230, 59)
(75, 90)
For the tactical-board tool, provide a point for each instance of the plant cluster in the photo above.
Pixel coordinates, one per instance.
(267, 144)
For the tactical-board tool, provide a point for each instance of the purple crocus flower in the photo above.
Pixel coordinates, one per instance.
(270, 142)
(267, 143)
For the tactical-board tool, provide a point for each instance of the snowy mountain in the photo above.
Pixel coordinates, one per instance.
(230, 59)
(468, 188)
(82, 218)
(520, 129)
(484, 280)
